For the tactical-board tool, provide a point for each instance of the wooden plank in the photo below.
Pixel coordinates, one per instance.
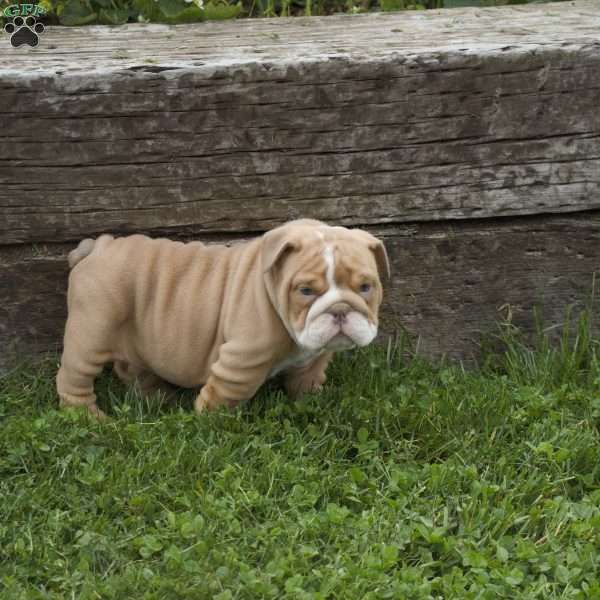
(364, 120)
(468, 139)
(449, 281)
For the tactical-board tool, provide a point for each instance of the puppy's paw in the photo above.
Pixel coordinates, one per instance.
(207, 399)
(304, 383)
(199, 404)
(92, 410)
(210, 399)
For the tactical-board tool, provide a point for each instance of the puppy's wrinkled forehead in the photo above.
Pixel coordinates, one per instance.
(309, 244)
(333, 254)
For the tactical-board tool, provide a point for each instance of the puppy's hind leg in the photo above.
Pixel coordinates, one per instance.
(82, 360)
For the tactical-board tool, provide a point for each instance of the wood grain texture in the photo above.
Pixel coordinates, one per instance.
(468, 139)
(359, 119)
(449, 282)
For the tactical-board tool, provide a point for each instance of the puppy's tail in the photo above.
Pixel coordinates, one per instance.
(85, 247)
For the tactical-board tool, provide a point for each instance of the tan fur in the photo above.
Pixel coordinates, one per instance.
(191, 315)
(309, 378)
(84, 248)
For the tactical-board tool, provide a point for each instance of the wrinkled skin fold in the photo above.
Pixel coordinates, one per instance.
(224, 318)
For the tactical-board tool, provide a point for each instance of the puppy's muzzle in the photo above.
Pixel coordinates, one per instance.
(339, 311)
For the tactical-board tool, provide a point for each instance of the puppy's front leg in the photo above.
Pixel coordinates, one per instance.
(235, 377)
(309, 378)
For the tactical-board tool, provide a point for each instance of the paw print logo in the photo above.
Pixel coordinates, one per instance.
(24, 31)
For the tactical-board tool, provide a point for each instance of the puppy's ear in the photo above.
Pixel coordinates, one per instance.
(275, 244)
(378, 249)
(381, 257)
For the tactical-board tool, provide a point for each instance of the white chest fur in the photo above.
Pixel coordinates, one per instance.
(298, 358)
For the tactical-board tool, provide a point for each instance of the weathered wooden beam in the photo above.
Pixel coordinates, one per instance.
(441, 129)
(451, 282)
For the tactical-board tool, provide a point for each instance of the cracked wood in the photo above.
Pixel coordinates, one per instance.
(363, 120)
(469, 139)
(449, 281)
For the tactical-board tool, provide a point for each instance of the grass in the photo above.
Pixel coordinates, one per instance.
(402, 479)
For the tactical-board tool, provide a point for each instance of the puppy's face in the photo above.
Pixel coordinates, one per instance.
(325, 283)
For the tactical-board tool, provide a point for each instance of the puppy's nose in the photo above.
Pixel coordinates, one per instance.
(339, 310)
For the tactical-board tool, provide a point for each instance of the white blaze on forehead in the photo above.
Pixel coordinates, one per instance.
(330, 262)
(331, 296)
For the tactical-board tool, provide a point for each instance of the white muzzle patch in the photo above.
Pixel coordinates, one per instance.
(323, 331)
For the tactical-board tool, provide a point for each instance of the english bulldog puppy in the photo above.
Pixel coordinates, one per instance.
(225, 318)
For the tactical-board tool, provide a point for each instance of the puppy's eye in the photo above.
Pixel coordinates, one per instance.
(306, 291)
(365, 288)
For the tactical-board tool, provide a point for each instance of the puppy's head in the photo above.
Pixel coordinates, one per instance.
(325, 283)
